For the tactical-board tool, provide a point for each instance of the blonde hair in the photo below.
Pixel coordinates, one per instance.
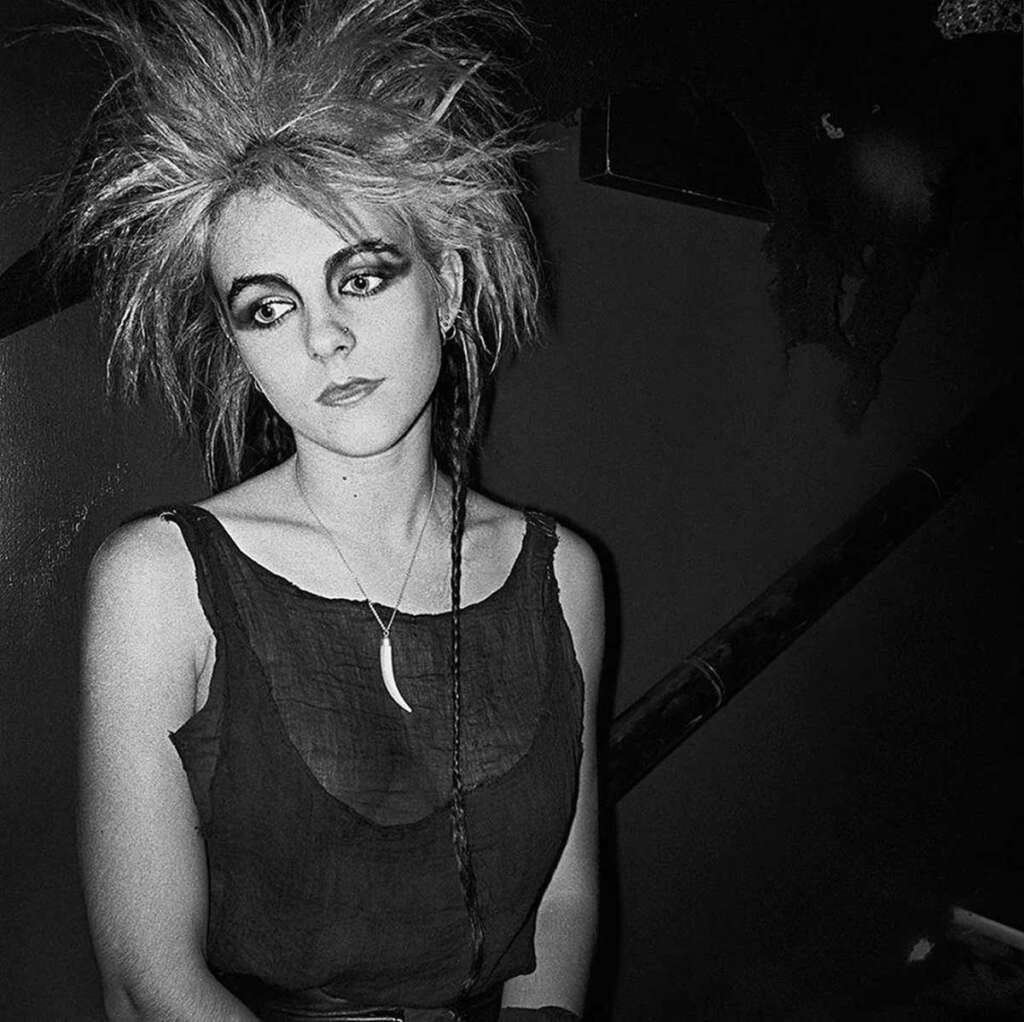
(389, 103)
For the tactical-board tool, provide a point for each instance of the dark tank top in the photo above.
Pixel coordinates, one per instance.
(325, 807)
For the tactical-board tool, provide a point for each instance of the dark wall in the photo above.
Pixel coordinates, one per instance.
(72, 466)
(785, 850)
(789, 852)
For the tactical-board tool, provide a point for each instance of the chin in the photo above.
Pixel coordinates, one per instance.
(368, 441)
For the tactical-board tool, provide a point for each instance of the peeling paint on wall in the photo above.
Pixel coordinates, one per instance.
(30, 568)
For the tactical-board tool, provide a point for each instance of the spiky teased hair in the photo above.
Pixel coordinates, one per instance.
(389, 103)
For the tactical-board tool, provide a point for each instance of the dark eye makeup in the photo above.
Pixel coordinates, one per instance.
(267, 312)
(381, 264)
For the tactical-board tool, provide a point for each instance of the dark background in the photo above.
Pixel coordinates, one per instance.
(705, 434)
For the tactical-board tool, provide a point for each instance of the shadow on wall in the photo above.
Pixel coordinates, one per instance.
(774, 864)
(73, 468)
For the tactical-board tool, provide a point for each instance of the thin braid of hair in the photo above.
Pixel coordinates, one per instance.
(467, 876)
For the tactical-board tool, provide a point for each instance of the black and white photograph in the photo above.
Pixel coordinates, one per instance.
(512, 511)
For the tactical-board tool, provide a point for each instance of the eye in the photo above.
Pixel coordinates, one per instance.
(362, 285)
(270, 311)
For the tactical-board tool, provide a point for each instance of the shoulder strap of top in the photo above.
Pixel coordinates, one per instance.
(201, 533)
(543, 522)
(539, 548)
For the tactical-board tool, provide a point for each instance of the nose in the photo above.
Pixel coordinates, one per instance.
(328, 335)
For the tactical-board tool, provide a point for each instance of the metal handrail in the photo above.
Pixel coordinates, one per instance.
(692, 692)
(28, 295)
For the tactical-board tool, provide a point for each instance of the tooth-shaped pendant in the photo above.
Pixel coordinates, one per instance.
(387, 670)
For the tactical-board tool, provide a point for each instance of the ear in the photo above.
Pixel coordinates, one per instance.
(451, 274)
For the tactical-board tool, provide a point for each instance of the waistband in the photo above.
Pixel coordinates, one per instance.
(273, 1005)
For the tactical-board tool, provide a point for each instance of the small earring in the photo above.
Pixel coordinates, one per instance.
(447, 327)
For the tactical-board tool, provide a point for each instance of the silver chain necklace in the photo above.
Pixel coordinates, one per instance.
(387, 663)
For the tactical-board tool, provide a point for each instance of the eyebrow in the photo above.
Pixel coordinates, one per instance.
(339, 258)
(375, 245)
(239, 284)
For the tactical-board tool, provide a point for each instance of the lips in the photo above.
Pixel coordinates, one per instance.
(348, 393)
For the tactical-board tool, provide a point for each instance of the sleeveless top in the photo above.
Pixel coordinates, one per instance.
(325, 807)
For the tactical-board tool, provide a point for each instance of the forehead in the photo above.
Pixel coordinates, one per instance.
(263, 231)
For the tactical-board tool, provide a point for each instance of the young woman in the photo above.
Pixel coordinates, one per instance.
(337, 724)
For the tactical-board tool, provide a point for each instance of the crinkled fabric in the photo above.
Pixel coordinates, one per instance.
(325, 807)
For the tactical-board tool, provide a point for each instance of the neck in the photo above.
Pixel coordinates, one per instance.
(381, 499)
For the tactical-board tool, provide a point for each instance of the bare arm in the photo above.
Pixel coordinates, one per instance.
(567, 916)
(146, 645)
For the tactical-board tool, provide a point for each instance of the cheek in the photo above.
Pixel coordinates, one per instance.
(432, 362)
(276, 375)
(255, 364)
(420, 365)
(422, 339)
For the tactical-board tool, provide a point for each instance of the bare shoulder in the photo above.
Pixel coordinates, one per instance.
(581, 593)
(500, 527)
(576, 564)
(142, 605)
(145, 558)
